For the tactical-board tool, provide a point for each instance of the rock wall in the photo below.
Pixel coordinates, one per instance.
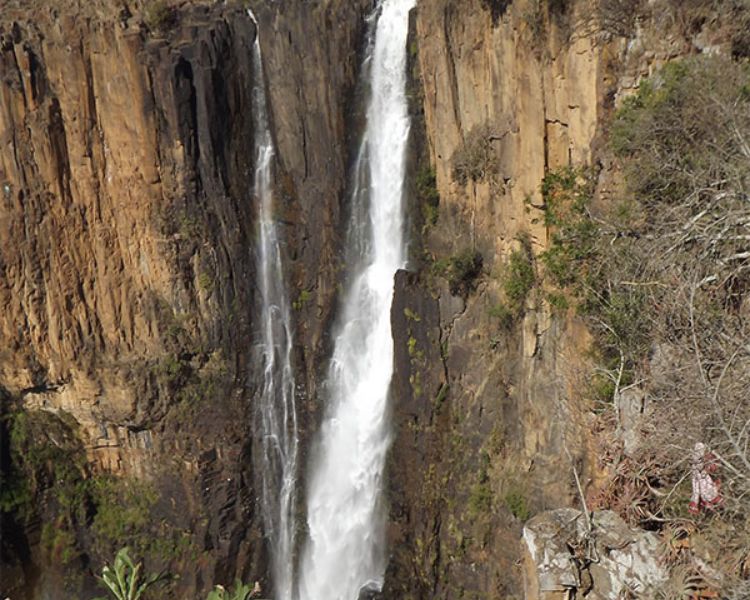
(491, 414)
(126, 264)
(127, 229)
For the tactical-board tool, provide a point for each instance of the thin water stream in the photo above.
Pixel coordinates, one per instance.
(277, 411)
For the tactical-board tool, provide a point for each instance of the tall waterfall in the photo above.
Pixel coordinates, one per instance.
(278, 413)
(345, 553)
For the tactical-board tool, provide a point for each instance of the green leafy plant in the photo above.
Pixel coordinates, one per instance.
(125, 581)
(567, 193)
(241, 591)
(302, 300)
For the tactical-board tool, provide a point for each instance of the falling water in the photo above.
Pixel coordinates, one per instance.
(277, 407)
(345, 553)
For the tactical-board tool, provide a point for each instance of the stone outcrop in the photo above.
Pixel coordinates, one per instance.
(565, 557)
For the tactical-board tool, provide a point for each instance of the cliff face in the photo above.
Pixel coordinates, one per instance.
(490, 404)
(127, 232)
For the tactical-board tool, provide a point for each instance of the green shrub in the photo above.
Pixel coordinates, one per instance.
(515, 501)
(429, 198)
(558, 302)
(123, 508)
(302, 300)
(567, 193)
(461, 270)
(480, 497)
(520, 278)
(205, 282)
(505, 316)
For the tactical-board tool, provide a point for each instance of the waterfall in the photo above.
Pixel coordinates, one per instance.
(278, 416)
(345, 552)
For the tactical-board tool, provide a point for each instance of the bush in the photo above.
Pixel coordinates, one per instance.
(477, 159)
(505, 316)
(515, 502)
(461, 270)
(520, 277)
(480, 497)
(241, 591)
(518, 281)
(429, 198)
(497, 8)
(618, 17)
(567, 193)
(123, 509)
(533, 17)
(159, 16)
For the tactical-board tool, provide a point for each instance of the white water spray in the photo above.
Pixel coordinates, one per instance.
(345, 553)
(277, 406)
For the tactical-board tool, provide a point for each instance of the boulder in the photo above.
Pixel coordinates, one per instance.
(566, 560)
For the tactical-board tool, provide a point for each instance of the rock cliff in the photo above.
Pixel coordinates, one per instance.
(127, 227)
(490, 388)
(126, 251)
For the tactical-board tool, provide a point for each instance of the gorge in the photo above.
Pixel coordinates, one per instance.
(399, 299)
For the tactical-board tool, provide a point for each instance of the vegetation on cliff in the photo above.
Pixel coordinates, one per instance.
(661, 273)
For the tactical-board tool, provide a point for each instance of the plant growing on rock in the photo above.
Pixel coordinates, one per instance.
(461, 270)
(477, 159)
(427, 192)
(158, 15)
(124, 579)
(241, 591)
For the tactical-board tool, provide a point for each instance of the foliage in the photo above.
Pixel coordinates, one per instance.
(428, 195)
(518, 281)
(504, 315)
(520, 277)
(662, 276)
(179, 378)
(123, 509)
(125, 580)
(477, 159)
(515, 502)
(205, 282)
(158, 15)
(567, 193)
(302, 300)
(533, 17)
(46, 472)
(241, 591)
(618, 17)
(480, 497)
(497, 8)
(461, 270)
